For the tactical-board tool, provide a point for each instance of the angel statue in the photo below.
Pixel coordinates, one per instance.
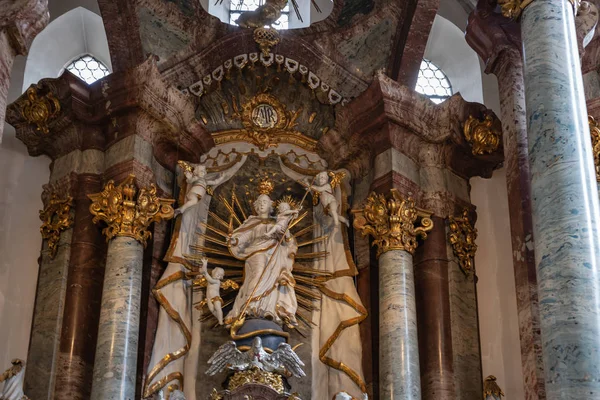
(283, 360)
(198, 185)
(214, 283)
(324, 191)
(13, 381)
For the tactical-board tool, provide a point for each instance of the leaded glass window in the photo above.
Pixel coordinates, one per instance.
(238, 6)
(88, 69)
(433, 83)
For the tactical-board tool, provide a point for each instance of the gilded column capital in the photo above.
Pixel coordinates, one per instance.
(128, 212)
(512, 8)
(56, 218)
(491, 388)
(462, 238)
(483, 135)
(595, 135)
(391, 220)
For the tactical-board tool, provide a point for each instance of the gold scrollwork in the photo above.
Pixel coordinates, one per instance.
(127, 214)
(512, 8)
(595, 134)
(491, 388)
(40, 110)
(266, 123)
(55, 218)
(483, 136)
(266, 38)
(391, 221)
(255, 375)
(462, 238)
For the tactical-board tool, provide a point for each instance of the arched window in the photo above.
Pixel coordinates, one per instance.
(238, 6)
(433, 83)
(88, 69)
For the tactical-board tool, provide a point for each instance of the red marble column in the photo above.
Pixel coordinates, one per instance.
(433, 315)
(82, 303)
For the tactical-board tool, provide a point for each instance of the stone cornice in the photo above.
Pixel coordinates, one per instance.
(388, 115)
(23, 20)
(88, 111)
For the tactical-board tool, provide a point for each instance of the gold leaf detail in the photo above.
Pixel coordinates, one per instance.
(462, 238)
(483, 136)
(595, 134)
(391, 221)
(491, 388)
(55, 218)
(127, 212)
(40, 110)
(256, 375)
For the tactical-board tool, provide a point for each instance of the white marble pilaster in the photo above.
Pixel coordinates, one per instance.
(118, 333)
(564, 202)
(399, 376)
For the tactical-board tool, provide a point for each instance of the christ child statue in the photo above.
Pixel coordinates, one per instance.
(285, 214)
(330, 204)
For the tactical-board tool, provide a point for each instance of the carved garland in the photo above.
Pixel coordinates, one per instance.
(391, 221)
(462, 238)
(55, 218)
(127, 214)
(483, 136)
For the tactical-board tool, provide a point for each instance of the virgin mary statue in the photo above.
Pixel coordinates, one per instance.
(268, 254)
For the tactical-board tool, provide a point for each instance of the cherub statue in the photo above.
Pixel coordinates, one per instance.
(285, 213)
(198, 185)
(13, 381)
(214, 283)
(324, 189)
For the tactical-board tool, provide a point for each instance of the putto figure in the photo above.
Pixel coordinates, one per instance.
(214, 284)
(13, 381)
(285, 214)
(198, 185)
(324, 189)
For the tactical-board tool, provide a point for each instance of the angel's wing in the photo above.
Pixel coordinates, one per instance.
(226, 356)
(287, 358)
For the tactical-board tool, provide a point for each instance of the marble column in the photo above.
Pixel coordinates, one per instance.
(83, 297)
(564, 202)
(399, 373)
(391, 219)
(128, 217)
(433, 311)
(116, 352)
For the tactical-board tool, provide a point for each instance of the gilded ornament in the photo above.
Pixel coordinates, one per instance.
(391, 221)
(483, 136)
(595, 134)
(266, 38)
(512, 8)
(256, 375)
(55, 218)
(266, 123)
(40, 110)
(127, 212)
(462, 238)
(491, 388)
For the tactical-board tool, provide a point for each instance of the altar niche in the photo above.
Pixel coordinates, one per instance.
(267, 246)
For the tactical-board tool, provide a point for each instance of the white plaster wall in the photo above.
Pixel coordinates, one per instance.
(22, 177)
(448, 49)
(498, 318)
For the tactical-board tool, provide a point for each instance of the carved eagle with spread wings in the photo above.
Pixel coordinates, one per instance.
(283, 360)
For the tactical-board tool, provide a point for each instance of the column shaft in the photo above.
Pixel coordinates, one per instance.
(433, 311)
(564, 202)
(116, 352)
(509, 70)
(83, 298)
(398, 344)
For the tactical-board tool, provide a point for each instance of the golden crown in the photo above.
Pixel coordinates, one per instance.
(266, 186)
